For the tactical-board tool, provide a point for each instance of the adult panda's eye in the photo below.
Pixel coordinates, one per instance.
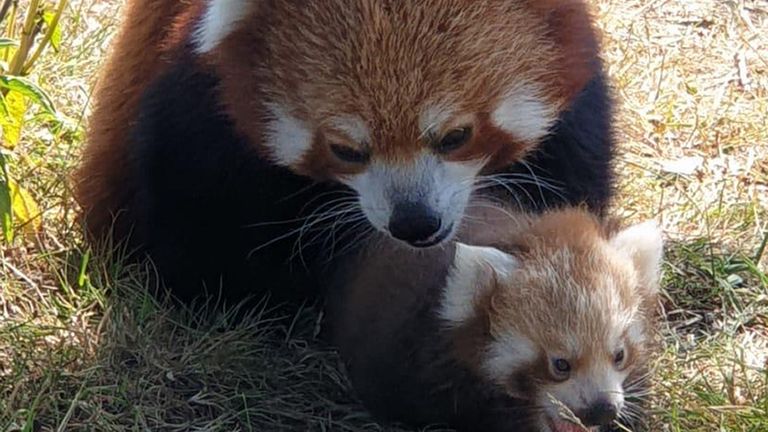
(350, 155)
(454, 140)
(619, 357)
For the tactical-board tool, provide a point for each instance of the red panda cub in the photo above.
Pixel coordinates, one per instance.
(545, 326)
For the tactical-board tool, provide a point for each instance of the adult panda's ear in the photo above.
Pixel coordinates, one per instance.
(474, 273)
(219, 19)
(571, 25)
(644, 245)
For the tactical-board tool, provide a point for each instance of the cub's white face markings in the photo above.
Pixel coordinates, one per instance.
(353, 127)
(508, 353)
(599, 381)
(220, 19)
(287, 137)
(470, 278)
(444, 187)
(524, 113)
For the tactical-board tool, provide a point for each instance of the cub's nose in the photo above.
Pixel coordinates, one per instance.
(601, 413)
(415, 224)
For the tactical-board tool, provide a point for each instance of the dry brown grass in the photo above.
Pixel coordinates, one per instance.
(692, 78)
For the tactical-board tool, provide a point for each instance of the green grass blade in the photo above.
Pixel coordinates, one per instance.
(8, 43)
(6, 209)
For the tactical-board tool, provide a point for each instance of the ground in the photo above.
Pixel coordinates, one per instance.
(692, 80)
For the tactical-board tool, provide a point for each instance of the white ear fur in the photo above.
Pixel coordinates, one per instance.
(220, 19)
(473, 268)
(644, 244)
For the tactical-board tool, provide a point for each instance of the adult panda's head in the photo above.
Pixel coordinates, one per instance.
(404, 102)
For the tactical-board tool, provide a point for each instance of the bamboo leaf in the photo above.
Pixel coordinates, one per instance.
(12, 110)
(30, 90)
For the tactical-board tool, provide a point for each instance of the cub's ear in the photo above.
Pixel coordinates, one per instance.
(644, 244)
(474, 272)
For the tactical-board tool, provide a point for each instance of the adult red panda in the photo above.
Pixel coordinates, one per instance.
(227, 134)
(543, 320)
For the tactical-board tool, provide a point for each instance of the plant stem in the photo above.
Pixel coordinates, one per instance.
(4, 9)
(47, 38)
(11, 30)
(27, 39)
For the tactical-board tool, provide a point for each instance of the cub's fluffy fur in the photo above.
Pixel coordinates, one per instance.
(220, 126)
(551, 308)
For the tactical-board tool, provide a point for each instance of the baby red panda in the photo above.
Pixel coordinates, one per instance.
(227, 134)
(546, 325)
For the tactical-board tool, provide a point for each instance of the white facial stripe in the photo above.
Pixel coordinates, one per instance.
(524, 113)
(434, 117)
(444, 187)
(507, 354)
(469, 279)
(220, 19)
(354, 127)
(286, 136)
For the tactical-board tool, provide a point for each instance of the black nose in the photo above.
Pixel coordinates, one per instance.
(415, 224)
(602, 413)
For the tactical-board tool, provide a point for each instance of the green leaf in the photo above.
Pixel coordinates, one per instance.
(6, 210)
(48, 17)
(12, 109)
(8, 42)
(28, 89)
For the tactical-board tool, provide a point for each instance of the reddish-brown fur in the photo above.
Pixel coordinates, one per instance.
(580, 236)
(363, 63)
(333, 57)
(139, 54)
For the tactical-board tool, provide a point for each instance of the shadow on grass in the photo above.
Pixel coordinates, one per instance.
(108, 356)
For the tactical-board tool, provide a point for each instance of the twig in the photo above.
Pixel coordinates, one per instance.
(20, 274)
(741, 65)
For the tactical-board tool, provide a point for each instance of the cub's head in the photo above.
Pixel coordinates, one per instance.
(404, 102)
(563, 321)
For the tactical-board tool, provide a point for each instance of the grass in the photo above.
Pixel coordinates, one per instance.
(692, 78)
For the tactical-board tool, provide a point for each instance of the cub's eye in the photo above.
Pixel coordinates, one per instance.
(454, 140)
(619, 357)
(350, 155)
(561, 369)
